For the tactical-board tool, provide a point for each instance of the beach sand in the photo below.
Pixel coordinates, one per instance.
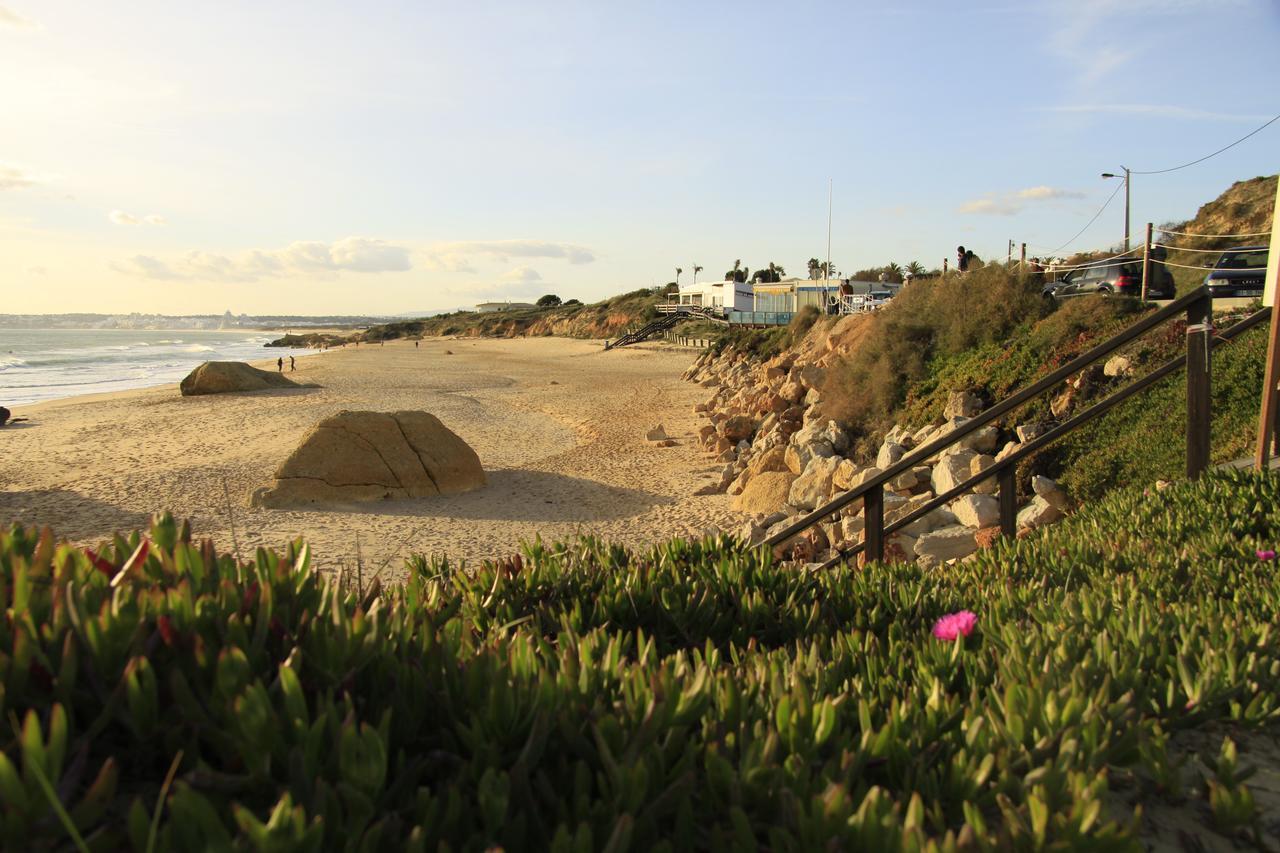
(558, 424)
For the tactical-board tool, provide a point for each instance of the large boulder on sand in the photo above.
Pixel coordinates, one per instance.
(222, 377)
(369, 456)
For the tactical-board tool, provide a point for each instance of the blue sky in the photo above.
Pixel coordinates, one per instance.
(390, 156)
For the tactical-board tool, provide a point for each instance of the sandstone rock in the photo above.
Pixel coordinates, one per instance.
(814, 483)
(962, 404)
(949, 543)
(1007, 450)
(982, 440)
(1027, 432)
(798, 456)
(951, 470)
(810, 376)
(710, 382)
(900, 548)
(976, 510)
(978, 464)
(658, 433)
(752, 533)
(1118, 365)
(1051, 492)
(224, 377)
(765, 492)
(1038, 513)
(706, 433)
(666, 442)
(890, 452)
(845, 472)
(936, 519)
(773, 459)
(738, 427)
(739, 483)
(365, 456)
(792, 391)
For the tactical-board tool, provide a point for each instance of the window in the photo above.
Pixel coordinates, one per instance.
(1243, 260)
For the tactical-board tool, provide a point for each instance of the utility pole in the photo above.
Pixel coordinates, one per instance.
(1126, 177)
(1022, 260)
(830, 184)
(1008, 258)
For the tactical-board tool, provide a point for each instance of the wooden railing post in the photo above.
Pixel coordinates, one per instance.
(1007, 478)
(873, 516)
(1199, 414)
(1146, 263)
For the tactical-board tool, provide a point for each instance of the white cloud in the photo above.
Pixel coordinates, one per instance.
(523, 274)
(1042, 192)
(1157, 111)
(13, 178)
(990, 207)
(10, 18)
(120, 217)
(1010, 203)
(351, 254)
(456, 256)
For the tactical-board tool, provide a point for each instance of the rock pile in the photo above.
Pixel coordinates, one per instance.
(781, 459)
(369, 456)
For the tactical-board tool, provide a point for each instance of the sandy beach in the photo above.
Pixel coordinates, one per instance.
(558, 424)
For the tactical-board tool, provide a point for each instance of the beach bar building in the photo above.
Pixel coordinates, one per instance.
(775, 303)
(720, 296)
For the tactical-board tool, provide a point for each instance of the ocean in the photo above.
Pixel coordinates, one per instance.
(48, 364)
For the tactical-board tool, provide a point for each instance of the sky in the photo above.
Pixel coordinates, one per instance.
(385, 157)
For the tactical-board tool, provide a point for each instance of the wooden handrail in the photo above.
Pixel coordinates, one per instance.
(982, 419)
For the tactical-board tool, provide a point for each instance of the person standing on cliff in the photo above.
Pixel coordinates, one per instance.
(962, 259)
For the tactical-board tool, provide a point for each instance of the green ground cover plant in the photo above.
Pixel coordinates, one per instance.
(160, 695)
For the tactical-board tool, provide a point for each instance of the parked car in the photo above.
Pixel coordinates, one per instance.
(1122, 276)
(1239, 272)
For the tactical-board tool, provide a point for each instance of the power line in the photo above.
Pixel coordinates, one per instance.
(1093, 220)
(1207, 156)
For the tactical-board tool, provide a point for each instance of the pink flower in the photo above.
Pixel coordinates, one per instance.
(1266, 555)
(955, 624)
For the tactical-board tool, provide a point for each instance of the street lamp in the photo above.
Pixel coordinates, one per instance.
(1125, 176)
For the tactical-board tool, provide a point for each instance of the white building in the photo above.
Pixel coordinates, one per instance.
(490, 307)
(725, 295)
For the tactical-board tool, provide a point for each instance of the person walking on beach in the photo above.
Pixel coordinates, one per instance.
(280, 364)
(292, 367)
(415, 344)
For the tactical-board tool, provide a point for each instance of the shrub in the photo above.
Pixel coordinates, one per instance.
(694, 696)
(928, 319)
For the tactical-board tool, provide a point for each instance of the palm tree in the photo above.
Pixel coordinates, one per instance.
(814, 267)
(916, 268)
(893, 268)
(678, 271)
(828, 269)
(696, 269)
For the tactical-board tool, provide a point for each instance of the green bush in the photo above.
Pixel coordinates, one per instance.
(694, 696)
(929, 320)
